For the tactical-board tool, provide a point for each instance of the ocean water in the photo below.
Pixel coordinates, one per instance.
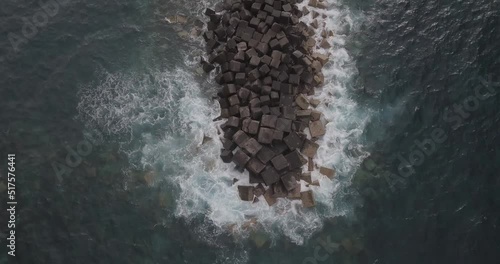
(152, 188)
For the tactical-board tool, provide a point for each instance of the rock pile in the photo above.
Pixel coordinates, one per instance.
(265, 63)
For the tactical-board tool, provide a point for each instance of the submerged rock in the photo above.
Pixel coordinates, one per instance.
(369, 164)
(149, 178)
(259, 238)
(176, 19)
(183, 34)
(352, 246)
(164, 199)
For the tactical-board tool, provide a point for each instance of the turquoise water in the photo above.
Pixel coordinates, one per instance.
(119, 77)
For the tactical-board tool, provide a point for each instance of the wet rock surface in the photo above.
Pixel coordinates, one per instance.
(263, 58)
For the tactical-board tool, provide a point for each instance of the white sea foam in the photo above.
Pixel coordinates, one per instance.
(167, 115)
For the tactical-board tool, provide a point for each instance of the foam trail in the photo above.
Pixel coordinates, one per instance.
(341, 147)
(167, 114)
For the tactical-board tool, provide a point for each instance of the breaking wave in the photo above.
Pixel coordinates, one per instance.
(163, 118)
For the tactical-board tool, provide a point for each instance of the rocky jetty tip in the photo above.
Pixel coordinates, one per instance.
(265, 62)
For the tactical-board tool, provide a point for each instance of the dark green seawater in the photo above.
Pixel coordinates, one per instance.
(415, 82)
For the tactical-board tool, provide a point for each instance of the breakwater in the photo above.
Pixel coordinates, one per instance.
(266, 64)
